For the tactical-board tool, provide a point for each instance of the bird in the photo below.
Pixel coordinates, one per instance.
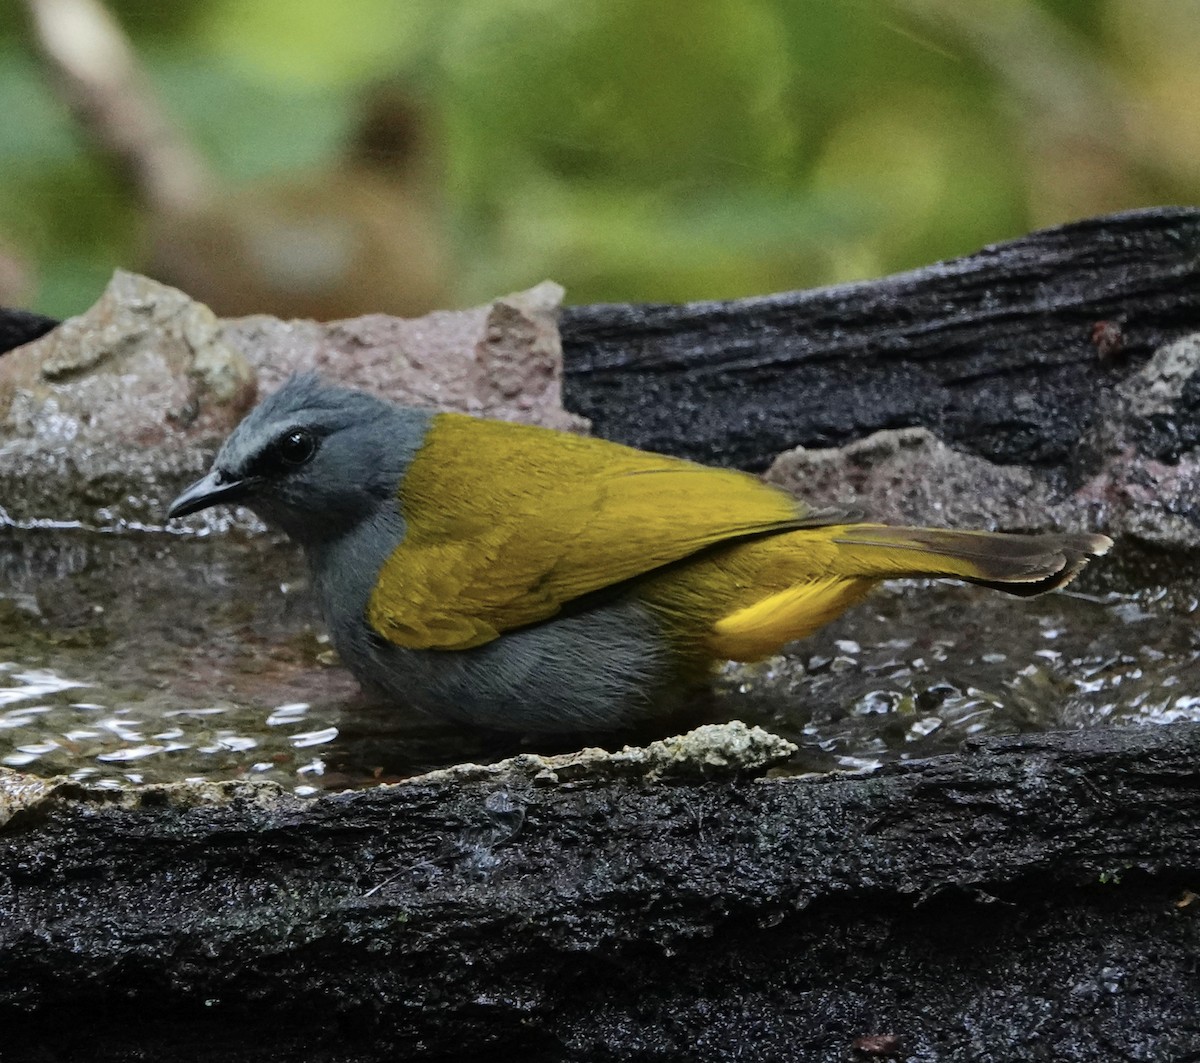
(511, 577)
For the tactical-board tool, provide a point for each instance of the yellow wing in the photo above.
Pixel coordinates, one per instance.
(507, 523)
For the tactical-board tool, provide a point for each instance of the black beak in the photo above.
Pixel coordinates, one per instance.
(210, 490)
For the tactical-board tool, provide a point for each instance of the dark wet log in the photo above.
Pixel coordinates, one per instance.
(998, 353)
(1024, 901)
(21, 326)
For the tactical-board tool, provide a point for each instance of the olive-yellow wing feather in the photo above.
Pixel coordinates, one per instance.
(507, 523)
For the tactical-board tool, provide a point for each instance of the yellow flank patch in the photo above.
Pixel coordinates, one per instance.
(758, 630)
(506, 523)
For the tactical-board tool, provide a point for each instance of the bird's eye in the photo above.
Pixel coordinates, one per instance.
(296, 446)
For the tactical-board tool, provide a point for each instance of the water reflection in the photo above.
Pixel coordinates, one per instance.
(26, 685)
(60, 735)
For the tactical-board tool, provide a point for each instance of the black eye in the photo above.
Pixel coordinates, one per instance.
(296, 447)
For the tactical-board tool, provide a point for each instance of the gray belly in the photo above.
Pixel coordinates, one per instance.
(597, 670)
(601, 669)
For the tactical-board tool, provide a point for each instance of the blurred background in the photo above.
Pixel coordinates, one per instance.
(309, 158)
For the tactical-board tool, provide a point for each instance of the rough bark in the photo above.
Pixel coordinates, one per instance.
(1023, 901)
(998, 353)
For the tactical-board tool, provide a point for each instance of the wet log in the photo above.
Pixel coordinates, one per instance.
(1026, 900)
(1004, 353)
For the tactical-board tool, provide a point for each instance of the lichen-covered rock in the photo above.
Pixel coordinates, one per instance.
(22, 794)
(713, 750)
(142, 365)
(105, 415)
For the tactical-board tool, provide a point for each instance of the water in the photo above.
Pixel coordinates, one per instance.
(146, 657)
(919, 667)
(149, 657)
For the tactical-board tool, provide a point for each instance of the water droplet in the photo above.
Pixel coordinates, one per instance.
(130, 753)
(314, 738)
(289, 713)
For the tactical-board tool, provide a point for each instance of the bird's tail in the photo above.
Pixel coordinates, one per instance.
(864, 554)
(1016, 564)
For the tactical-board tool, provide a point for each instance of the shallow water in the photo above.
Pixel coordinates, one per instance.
(919, 667)
(150, 657)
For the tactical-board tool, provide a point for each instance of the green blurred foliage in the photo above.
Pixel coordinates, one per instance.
(647, 149)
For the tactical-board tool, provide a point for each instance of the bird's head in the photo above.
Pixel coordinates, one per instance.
(312, 459)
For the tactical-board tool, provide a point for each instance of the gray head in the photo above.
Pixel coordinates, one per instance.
(312, 459)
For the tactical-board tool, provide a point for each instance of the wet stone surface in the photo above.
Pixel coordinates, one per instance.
(154, 657)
